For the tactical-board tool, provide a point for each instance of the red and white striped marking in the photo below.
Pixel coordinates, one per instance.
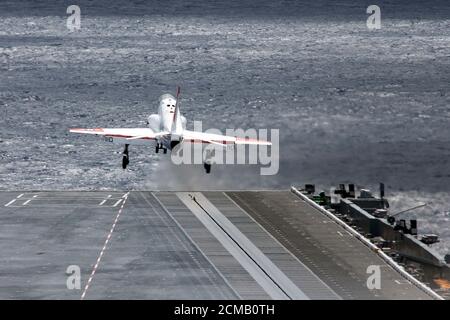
(125, 197)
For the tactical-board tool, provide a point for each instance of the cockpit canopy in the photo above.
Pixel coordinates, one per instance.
(167, 100)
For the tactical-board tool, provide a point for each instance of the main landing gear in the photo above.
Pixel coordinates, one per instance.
(125, 159)
(160, 146)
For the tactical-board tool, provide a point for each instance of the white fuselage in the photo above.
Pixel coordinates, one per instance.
(164, 120)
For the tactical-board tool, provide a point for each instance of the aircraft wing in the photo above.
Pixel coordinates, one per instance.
(202, 137)
(122, 134)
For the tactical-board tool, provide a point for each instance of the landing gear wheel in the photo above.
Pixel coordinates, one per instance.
(165, 150)
(125, 159)
(207, 167)
(125, 162)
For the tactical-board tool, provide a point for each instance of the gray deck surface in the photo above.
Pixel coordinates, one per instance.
(334, 255)
(160, 249)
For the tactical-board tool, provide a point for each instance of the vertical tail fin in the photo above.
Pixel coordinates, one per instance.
(177, 127)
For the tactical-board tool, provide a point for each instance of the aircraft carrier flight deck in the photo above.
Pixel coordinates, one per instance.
(184, 245)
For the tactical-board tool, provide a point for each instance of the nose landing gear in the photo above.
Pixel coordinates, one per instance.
(207, 163)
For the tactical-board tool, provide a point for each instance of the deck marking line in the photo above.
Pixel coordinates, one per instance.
(264, 272)
(11, 202)
(104, 247)
(104, 200)
(118, 201)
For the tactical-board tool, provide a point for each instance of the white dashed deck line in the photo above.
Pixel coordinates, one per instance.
(97, 263)
(117, 203)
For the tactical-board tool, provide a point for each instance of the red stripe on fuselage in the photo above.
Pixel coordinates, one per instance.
(124, 136)
(203, 141)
